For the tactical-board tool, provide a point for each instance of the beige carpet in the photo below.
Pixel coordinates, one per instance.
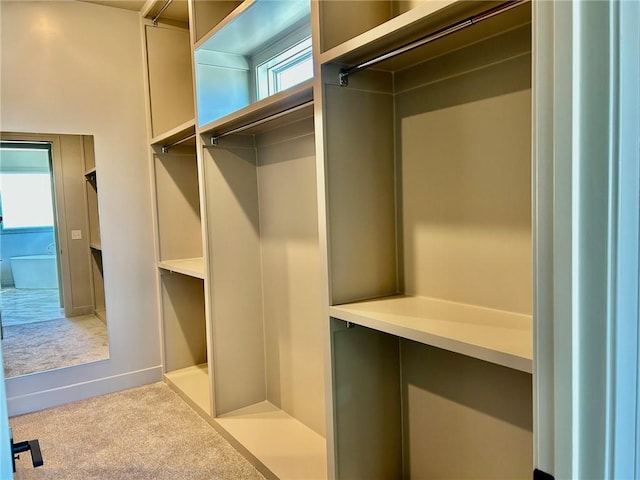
(146, 433)
(63, 342)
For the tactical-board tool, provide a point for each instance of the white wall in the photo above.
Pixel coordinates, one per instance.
(76, 68)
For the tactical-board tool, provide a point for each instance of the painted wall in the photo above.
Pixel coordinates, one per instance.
(72, 67)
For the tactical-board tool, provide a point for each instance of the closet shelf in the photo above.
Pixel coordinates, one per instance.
(500, 337)
(95, 246)
(175, 134)
(425, 18)
(192, 384)
(273, 105)
(193, 267)
(90, 174)
(288, 448)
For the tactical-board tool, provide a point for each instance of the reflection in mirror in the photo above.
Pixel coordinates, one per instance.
(52, 309)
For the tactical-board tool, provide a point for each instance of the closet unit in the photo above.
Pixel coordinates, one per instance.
(370, 225)
(174, 165)
(237, 226)
(95, 246)
(427, 168)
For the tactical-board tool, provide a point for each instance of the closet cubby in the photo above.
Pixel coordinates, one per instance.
(428, 174)
(266, 294)
(169, 77)
(185, 344)
(207, 14)
(245, 57)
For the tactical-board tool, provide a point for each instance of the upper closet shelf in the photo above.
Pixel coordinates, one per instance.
(496, 336)
(179, 135)
(193, 267)
(90, 173)
(429, 19)
(297, 97)
(175, 12)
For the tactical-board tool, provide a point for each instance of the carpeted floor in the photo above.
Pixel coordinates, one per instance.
(63, 342)
(147, 433)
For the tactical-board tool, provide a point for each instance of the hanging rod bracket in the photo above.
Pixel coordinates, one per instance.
(214, 140)
(165, 149)
(343, 78)
(164, 7)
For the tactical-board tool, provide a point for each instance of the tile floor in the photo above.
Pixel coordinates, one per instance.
(20, 306)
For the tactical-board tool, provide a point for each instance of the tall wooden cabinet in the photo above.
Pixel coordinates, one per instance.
(344, 261)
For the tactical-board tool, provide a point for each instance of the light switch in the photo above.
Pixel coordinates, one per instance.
(76, 234)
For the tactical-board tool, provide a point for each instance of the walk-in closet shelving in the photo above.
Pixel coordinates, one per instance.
(176, 187)
(266, 294)
(95, 244)
(260, 49)
(428, 196)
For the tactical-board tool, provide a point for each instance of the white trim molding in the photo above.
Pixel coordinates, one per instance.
(586, 236)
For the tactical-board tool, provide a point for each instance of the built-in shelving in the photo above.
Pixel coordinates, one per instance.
(193, 267)
(192, 383)
(281, 102)
(500, 337)
(287, 448)
(95, 246)
(176, 134)
(235, 69)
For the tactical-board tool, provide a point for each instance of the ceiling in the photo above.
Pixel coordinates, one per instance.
(177, 10)
(134, 5)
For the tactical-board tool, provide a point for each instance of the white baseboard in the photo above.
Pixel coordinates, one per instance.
(32, 402)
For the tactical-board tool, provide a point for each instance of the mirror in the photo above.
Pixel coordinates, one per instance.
(52, 303)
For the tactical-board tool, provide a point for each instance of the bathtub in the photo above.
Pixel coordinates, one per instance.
(34, 271)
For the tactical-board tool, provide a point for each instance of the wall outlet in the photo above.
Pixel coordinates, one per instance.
(76, 234)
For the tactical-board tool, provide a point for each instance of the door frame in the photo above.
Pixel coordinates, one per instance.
(60, 224)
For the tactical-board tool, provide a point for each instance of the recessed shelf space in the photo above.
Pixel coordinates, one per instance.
(170, 80)
(184, 327)
(267, 322)
(261, 49)
(408, 410)
(177, 205)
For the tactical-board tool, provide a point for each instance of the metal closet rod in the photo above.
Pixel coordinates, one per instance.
(343, 76)
(164, 7)
(165, 148)
(214, 138)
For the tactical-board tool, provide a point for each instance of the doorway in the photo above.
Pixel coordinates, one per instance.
(30, 286)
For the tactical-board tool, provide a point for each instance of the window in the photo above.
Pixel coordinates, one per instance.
(288, 68)
(26, 200)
